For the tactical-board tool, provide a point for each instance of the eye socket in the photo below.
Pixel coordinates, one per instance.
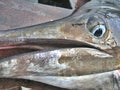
(96, 26)
(98, 31)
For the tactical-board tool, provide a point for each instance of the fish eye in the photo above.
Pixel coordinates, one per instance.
(96, 26)
(98, 31)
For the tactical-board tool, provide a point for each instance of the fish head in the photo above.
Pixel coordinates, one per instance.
(86, 42)
(97, 24)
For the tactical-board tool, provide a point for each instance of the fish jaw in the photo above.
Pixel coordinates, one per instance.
(63, 62)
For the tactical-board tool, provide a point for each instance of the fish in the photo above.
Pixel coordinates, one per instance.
(75, 52)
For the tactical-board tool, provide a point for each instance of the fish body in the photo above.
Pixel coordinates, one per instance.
(72, 51)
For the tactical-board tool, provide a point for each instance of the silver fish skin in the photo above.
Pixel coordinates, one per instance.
(83, 47)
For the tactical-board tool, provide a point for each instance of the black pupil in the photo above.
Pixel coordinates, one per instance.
(98, 32)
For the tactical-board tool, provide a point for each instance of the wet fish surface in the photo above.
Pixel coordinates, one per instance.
(77, 52)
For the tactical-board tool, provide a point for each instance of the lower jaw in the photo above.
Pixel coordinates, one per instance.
(87, 61)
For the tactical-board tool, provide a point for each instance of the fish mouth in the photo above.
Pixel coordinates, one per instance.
(67, 81)
(14, 48)
(54, 57)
